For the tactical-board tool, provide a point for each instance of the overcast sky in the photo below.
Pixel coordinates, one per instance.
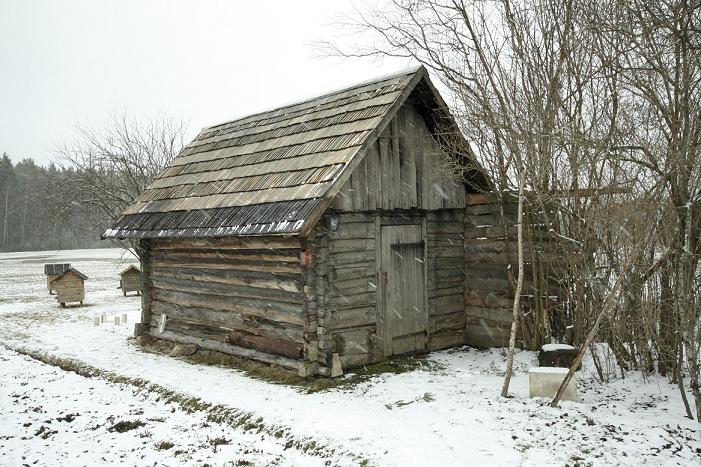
(68, 62)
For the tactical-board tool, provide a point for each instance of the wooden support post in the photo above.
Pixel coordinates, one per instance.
(321, 282)
(141, 329)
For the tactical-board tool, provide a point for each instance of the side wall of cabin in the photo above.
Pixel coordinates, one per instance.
(239, 296)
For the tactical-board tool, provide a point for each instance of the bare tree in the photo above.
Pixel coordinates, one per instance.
(528, 93)
(597, 105)
(660, 70)
(112, 165)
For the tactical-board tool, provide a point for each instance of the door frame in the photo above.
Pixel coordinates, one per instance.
(391, 220)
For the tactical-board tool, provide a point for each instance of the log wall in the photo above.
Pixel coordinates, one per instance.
(243, 297)
(446, 278)
(491, 268)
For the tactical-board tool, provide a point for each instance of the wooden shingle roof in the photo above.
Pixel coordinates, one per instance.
(274, 172)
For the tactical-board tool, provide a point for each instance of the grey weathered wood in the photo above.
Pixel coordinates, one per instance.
(405, 319)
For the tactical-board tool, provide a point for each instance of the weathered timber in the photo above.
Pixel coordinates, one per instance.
(226, 290)
(189, 337)
(267, 309)
(228, 243)
(264, 280)
(445, 339)
(266, 344)
(229, 320)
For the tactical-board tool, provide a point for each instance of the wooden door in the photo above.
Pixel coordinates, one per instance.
(404, 315)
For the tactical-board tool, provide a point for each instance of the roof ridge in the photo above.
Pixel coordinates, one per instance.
(377, 79)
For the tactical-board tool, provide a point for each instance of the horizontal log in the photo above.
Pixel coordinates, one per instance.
(237, 338)
(266, 344)
(357, 217)
(229, 320)
(452, 251)
(494, 219)
(477, 336)
(341, 259)
(353, 283)
(446, 305)
(224, 347)
(445, 339)
(286, 255)
(220, 265)
(266, 309)
(445, 215)
(500, 315)
(229, 243)
(488, 298)
(364, 271)
(481, 198)
(456, 227)
(226, 290)
(353, 317)
(500, 246)
(352, 245)
(353, 341)
(497, 285)
(342, 302)
(256, 279)
(451, 321)
(350, 231)
(487, 209)
(434, 293)
(487, 324)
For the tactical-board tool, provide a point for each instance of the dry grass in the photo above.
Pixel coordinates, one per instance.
(278, 375)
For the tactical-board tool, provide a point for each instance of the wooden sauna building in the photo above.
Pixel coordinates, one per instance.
(314, 234)
(130, 280)
(69, 287)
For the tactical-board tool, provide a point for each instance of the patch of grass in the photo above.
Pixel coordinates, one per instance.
(279, 375)
(219, 441)
(125, 425)
(163, 445)
(427, 397)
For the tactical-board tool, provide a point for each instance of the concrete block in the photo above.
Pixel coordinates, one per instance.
(544, 381)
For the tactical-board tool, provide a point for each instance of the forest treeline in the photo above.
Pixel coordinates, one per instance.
(98, 172)
(36, 214)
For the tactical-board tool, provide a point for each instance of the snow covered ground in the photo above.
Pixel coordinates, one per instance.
(445, 412)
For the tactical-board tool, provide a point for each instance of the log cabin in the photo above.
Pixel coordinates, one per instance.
(130, 280)
(323, 235)
(69, 287)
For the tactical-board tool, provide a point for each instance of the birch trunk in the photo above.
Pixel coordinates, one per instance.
(519, 287)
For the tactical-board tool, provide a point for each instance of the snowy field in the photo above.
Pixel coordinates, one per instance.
(80, 394)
